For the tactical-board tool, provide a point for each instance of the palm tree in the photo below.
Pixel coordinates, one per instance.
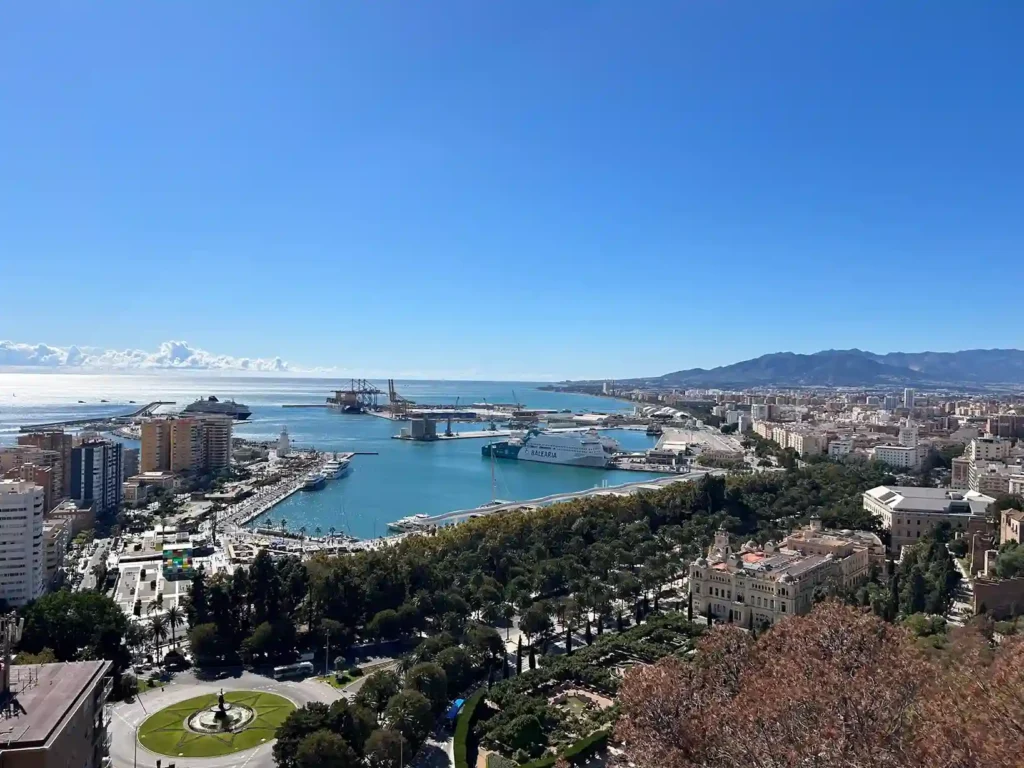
(158, 633)
(284, 523)
(332, 529)
(174, 618)
(318, 531)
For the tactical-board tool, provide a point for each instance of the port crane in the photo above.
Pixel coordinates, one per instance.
(399, 405)
(448, 431)
(360, 396)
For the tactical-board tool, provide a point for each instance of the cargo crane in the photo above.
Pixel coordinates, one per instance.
(359, 397)
(448, 431)
(399, 405)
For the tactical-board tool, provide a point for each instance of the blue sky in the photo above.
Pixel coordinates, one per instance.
(511, 189)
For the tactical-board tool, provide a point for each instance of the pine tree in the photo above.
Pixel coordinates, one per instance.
(689, 607)
(519, 657)
(707, 615)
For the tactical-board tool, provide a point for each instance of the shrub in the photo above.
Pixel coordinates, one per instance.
(579, 751)
(462, 728)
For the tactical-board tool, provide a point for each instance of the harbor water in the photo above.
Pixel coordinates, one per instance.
(405, 478)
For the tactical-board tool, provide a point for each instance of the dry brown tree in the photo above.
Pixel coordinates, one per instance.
(836, 688)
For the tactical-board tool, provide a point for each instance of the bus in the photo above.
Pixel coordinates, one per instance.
(301, 669)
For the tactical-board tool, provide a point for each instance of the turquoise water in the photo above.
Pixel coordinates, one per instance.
(405, 478)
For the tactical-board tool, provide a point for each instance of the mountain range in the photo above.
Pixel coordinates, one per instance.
(856, 368)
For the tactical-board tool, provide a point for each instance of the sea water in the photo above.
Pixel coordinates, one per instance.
(405, 478)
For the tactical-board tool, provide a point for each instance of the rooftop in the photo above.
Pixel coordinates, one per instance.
(902, 498)
(46, 694)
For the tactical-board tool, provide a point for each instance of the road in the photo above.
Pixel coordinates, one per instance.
(99, 556)
(126, 717)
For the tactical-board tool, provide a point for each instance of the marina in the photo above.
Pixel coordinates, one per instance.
(405, 478)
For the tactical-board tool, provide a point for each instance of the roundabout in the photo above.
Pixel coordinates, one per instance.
(214, 724)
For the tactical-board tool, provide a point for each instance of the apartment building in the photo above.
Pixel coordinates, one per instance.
(130, 460)
(1005, 425)
(155, 453)
(840, 447)
(960, 475)
(21, 541)
(14, 459)
(899, 456)
(56, 542)
(96, 472)
(910, 513)
(60, 443)
(194, 444)
(760, 586)
(988, 448)
(59, 720)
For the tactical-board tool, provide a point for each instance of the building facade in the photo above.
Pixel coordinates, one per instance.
(960, 475)
(21, 541)
(899, 456)
(193, 444)
(909, 513)
(60, 720)
(155, 453)
(96, 472)
(56, 542)
(60, 443)
(759, 586)
(908, 398)
(130, 462)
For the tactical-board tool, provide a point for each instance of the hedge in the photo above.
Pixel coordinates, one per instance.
(580, 750)
(463, 726)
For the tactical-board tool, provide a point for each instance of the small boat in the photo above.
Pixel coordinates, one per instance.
(82, 401)
(104, 401)
(314, 481)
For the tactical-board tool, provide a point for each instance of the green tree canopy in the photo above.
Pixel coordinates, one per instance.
(378, 690)
(387, 749)
(409, 713)
(324, 749)
(430, 680)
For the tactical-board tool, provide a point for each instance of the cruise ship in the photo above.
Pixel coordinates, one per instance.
(212, 406)
(336, 468)
(573, 448)
(314, 481)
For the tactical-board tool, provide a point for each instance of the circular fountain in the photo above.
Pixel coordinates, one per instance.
(221, 718)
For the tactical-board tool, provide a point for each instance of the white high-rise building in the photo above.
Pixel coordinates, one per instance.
(908, 435)
(21, 541)
(908, 398)
(284, 444)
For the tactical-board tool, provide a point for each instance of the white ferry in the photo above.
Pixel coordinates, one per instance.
(336, 468)
(573, 448)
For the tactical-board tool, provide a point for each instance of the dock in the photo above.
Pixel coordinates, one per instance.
(146, 410)
(625, 489)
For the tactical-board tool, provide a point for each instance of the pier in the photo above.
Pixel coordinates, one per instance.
(625, 489)
(146, 410)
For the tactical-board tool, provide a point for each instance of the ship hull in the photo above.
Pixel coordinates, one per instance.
(542, 455)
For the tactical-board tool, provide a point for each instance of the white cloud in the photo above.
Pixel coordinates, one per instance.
(171, 354)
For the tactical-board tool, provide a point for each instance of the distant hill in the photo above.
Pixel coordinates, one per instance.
(854, 367)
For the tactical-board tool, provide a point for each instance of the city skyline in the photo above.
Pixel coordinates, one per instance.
(508, 190)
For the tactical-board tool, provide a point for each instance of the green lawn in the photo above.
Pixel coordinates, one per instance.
(166, 733)
(346, 678)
